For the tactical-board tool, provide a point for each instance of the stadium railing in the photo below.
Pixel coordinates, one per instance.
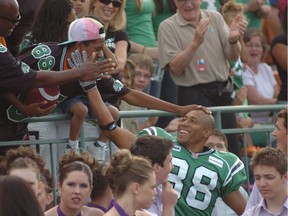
(147, 113)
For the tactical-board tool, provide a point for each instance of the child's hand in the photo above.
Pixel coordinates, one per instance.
(77, 59)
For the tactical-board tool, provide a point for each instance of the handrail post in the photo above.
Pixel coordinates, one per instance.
(217, 117)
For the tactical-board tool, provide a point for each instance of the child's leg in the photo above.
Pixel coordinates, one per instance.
(79, 113)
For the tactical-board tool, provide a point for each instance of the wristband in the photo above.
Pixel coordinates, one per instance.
(87, 85)
(110, 126)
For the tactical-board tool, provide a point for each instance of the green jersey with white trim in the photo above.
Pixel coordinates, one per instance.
(200, 178)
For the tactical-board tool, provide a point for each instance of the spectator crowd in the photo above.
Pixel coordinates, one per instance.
(179, 56)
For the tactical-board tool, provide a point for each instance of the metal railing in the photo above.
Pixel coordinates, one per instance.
(147, 113)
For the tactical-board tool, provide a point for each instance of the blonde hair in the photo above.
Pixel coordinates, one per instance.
(230, 10)
(118, 22)
(142, 61)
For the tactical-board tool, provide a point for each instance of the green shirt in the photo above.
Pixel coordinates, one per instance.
(211, 5)
(252, 17)
(159, 17)
(139, 24)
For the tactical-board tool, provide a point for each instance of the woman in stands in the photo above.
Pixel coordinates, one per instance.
(258, 77)
(133, 182)
(75, 186)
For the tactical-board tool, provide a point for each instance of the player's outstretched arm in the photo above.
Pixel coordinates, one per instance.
(141, 99)
(121, 137)
(236, 201)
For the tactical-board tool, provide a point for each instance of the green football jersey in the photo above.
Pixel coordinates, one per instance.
(200, 178)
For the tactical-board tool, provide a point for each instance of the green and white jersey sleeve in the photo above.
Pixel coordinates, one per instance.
(200, 178)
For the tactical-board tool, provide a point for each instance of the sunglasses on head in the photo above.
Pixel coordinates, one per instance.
(115, 4)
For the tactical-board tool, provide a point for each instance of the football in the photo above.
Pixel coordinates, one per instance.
(50, 94)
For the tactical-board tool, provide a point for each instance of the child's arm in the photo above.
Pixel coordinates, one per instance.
(108, 54)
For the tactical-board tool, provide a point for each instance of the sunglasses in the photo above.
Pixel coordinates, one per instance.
(116, 4)
(14, 21)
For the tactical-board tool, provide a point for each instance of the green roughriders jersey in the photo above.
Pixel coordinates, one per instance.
(200, 178)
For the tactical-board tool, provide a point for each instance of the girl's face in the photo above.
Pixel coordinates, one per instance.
(146, 193)
(105, 12)
(30, 176)
(255, 49)
(75, 190)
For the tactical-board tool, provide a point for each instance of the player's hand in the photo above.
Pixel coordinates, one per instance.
(188, 108)
(35, 109)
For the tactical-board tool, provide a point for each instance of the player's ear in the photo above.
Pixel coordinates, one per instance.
(207, 132)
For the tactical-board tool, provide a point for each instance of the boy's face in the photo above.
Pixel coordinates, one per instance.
(94, 46)
(141, 78)
(216, 143)
(163, 172)
(269, 181)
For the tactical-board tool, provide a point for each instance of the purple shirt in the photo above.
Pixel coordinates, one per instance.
(156, 208)
(261, 210)
(255, 197)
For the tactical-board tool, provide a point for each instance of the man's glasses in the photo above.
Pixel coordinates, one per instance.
(116, 4)
(14, 21)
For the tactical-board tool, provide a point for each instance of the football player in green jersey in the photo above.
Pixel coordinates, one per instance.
(200, 175)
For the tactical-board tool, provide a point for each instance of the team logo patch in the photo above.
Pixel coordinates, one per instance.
(25, 68)
(3, 49)
(117, 86)
(177, 148)
(215, 161)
